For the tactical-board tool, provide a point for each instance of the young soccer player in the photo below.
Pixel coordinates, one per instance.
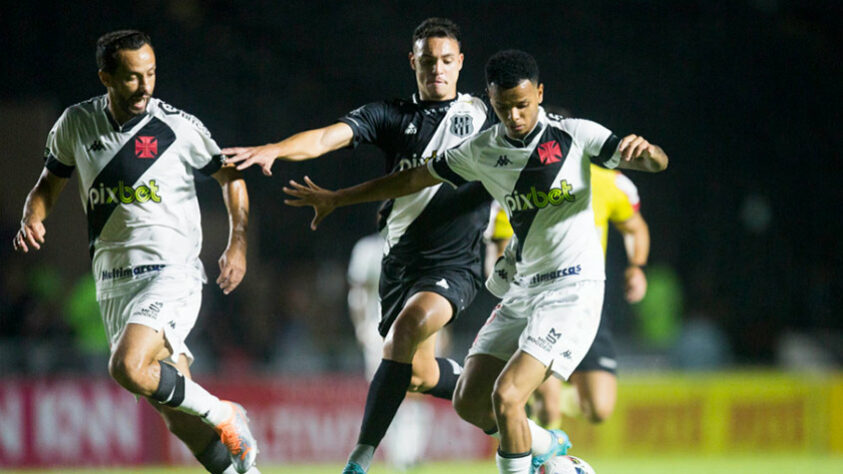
(548, 319)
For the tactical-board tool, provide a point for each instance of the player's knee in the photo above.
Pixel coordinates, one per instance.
(596, 412)
(506, 397)
(127, 370)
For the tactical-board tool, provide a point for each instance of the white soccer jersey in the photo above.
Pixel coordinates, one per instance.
(543, 183)
(136, 185)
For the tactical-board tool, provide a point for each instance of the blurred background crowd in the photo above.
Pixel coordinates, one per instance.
(746, 266)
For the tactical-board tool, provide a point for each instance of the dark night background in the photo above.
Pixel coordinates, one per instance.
(743, 95)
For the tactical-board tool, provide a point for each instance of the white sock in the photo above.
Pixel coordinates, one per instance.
(200, 402)
(519, 465)
(542, 439)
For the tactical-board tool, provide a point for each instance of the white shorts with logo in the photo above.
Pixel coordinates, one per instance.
(555, 324)
(166, 302)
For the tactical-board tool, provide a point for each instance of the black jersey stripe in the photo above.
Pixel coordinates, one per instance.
(57, 167)
(607, 151)
(536, 176)
(127, 168)
(213, 166)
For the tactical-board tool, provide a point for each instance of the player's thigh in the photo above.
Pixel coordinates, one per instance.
(139, 346)
(422, 316)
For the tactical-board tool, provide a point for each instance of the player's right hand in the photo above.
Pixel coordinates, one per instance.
(309, 194)
(263, 155)
(30, 235)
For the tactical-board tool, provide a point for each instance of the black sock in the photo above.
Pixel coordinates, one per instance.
(449, 373)
(170, 389)
(215, 457)
(386, 392)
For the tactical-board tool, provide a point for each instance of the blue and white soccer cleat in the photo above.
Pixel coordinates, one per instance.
(353, 468)
(560, 446)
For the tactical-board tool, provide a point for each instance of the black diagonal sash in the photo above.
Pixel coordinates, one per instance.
(539, 177)
(135, 157)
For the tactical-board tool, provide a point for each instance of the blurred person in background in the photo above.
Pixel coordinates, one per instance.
(431, 263)
(136, 155)
(593, 388)
(537, 166)
(407, 437)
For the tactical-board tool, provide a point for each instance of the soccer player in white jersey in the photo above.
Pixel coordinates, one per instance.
(135, 155)
(431, 268)
(538, 169)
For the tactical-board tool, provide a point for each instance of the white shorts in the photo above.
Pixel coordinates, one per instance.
(164, 302)
(556, 325)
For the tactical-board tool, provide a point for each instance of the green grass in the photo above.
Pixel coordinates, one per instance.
(640, 465)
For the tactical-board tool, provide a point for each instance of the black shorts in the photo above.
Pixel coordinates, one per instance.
(602, 355)
(398, 283)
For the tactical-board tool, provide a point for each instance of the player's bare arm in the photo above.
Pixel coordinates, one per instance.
(299, 147)
(37, 207)
(640, 155)
(636, 238)
(233, 260)
(324, 201)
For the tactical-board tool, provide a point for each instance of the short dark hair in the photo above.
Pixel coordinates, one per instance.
(506, 69)
(437, 28)
(109, 44)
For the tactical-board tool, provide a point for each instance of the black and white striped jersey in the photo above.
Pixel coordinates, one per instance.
(543, 182)
(437, 226)
(136, 184)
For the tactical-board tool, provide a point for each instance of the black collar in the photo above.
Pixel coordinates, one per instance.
(428, 104)
(523, 142)
(129, 123)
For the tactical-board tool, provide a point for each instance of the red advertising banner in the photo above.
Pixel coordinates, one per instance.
(83, 422)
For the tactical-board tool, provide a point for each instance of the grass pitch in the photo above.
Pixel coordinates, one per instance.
(743, 464)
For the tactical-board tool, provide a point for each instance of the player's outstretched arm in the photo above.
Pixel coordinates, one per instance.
(37, 207)
(640, 155)
(636, 239)
(299, 147)
(233, 260)
(324, 201)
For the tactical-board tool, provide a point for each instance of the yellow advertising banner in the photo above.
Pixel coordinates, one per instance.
(747, 412)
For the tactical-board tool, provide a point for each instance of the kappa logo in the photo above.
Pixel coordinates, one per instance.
(146, 147)
(443, 283)
(462, 125)
(410, 130)
(549, 152)
(96, 146)
(503, 160)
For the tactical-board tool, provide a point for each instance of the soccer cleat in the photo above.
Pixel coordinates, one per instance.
(235, 435)
(353, 468)
(560, 445)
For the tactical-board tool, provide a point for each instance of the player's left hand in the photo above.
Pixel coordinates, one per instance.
(635, 286)
(309, 194)
(634, 146)
(232, 267)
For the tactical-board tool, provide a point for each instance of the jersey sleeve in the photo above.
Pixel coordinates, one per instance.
(205, 155)
(454, 166)
(367, 122)
(626, 202)
(597, 141)
(58, 152)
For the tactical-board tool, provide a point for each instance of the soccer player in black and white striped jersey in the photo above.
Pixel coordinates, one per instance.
(431, 266)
